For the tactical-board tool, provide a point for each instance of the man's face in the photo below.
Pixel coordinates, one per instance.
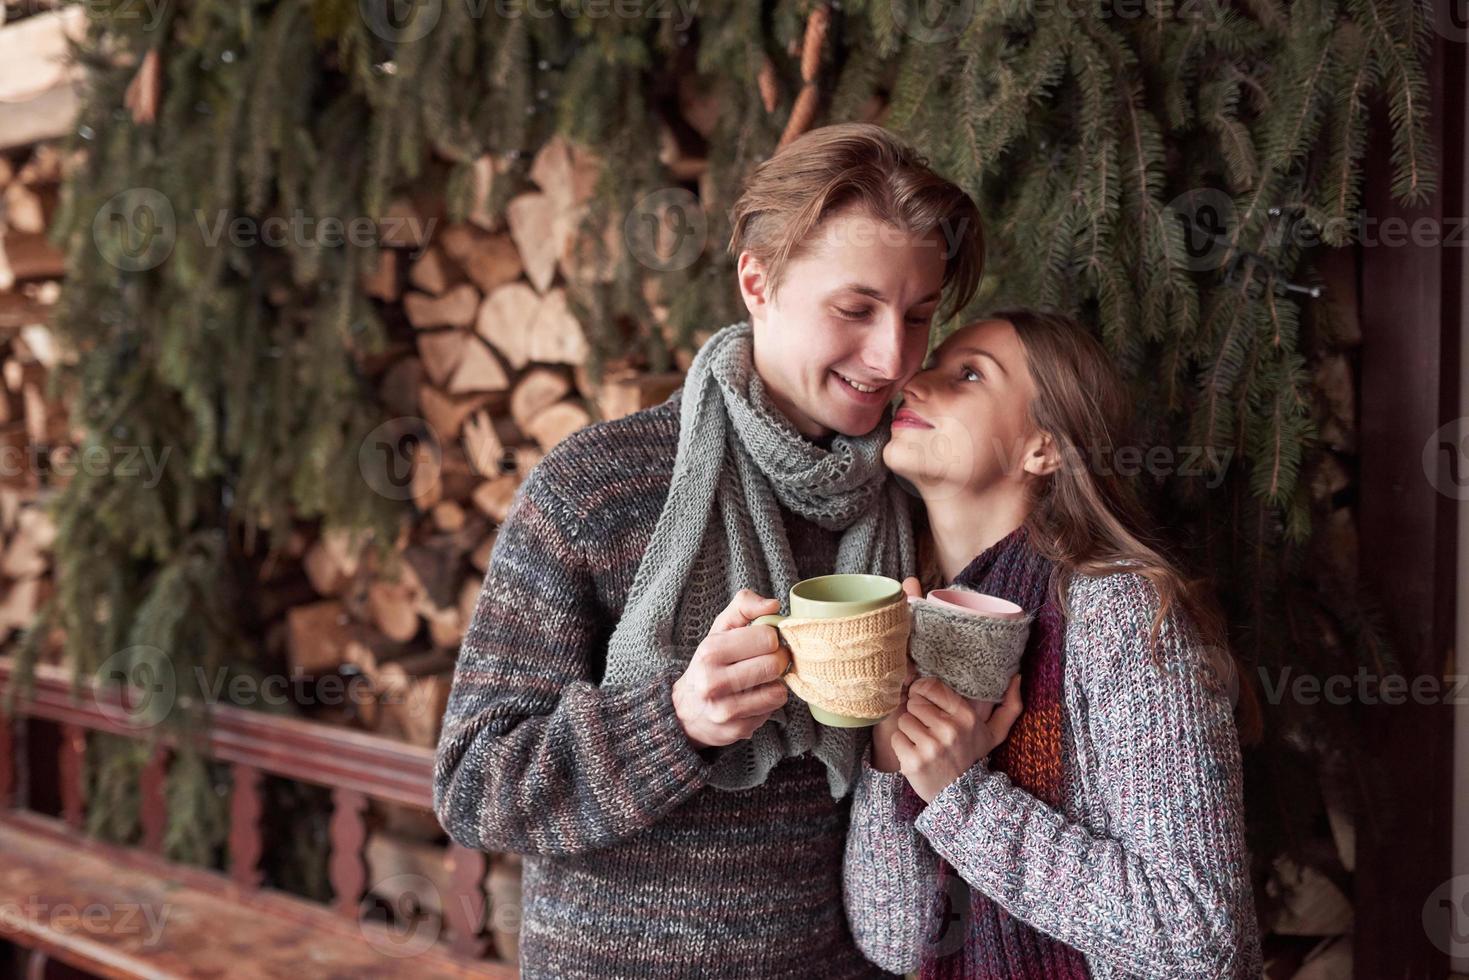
(849, 323)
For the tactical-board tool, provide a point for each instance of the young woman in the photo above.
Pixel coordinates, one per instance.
(1099, 831)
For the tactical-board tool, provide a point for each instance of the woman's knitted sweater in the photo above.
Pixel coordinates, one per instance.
(1105, 838)
(634, 867)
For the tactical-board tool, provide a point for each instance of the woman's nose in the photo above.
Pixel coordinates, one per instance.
(917, 387)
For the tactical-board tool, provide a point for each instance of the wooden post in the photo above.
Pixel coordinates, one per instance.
(7, 761)
(245, 842)
(1411, 301)
(71, 755)
(153, 805)
(349, 839)
(464, 910)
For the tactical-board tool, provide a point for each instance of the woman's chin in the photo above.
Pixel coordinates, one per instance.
(912, 455)
(904, 455)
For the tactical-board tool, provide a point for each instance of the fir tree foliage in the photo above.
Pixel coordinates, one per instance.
(1086, 129)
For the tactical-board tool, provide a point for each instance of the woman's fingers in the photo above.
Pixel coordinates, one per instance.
(911, 587)
(1008, 710)
(941, 694)
(939, 722)
(904, 751)
(914, 728)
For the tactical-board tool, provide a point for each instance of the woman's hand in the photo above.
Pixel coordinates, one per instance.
(883, 759)
(941, 733)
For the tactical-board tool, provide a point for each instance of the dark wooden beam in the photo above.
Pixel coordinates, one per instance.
(1412, 305)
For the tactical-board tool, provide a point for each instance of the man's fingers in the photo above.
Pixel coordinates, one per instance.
(734, 646)
(746, 607)
(753, 703)
(745, 674)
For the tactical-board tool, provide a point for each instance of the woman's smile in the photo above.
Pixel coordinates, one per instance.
(909, 419)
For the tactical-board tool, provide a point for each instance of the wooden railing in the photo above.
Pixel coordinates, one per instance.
(356, 767)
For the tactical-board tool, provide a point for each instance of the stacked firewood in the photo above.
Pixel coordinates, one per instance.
(490, 376)
(37, 448)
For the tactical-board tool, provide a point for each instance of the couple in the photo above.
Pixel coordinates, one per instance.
(620, 721)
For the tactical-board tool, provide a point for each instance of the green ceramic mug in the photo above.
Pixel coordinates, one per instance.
(830, 597)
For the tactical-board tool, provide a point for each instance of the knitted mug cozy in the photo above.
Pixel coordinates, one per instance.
(973, 653)
(850, 665)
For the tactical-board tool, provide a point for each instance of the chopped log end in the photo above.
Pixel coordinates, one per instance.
(556, 422)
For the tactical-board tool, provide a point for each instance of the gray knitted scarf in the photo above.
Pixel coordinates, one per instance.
(739, 460)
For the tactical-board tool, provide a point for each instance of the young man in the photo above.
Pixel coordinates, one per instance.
(679, 811)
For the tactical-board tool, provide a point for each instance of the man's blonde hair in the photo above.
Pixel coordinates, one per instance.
(863, 166)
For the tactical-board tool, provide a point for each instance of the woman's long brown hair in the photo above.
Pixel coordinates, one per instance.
(1087, 518)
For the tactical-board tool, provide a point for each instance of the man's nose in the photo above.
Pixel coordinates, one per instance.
(884, 351)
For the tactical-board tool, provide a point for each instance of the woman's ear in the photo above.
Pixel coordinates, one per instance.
(1043, 457)
(754, 285)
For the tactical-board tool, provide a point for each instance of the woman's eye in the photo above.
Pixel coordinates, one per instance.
(968, 373)
(851, 314)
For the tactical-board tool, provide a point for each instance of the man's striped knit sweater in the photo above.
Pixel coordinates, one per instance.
(634, 867)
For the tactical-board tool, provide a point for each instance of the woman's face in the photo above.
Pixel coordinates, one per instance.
(849, 324)
(964, 425)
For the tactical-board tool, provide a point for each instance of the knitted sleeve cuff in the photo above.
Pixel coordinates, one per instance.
(890, 873)
(882, 792)
(661, 763)
(956, 803)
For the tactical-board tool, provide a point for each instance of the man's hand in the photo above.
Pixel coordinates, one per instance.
(732, 684)
(942, 733)
(883, 758)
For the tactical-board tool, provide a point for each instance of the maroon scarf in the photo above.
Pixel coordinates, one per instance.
(976, 938)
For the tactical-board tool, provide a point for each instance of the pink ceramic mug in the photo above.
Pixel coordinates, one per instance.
(975, 602)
